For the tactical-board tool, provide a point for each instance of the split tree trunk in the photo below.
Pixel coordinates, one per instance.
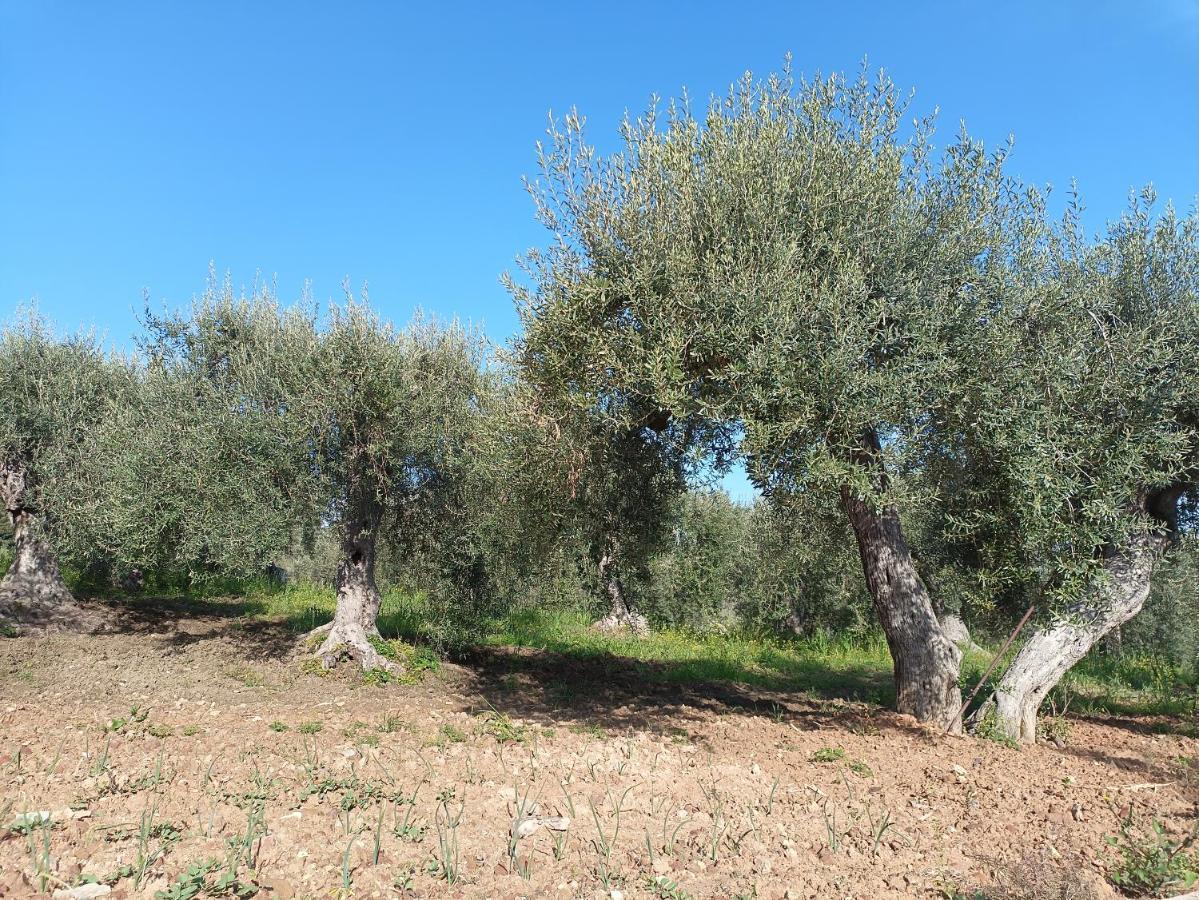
(32, 592)
(1052, 651)
(622, 616)
(355, 622)
(926, 662)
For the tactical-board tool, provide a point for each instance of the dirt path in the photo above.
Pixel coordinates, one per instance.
(720, 791)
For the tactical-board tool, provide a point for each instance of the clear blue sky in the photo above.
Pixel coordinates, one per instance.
(386, 142)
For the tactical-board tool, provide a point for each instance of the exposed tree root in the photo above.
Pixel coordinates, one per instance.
(625, 621)
(30, 606)
(350, 641)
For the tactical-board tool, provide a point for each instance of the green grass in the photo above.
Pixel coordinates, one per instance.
(852, 666)
(1130, 684)
(856, 667)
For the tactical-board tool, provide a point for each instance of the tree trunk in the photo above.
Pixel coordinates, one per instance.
(1052, 651)
(355, 622)
(926, 661)
(621, 615)
(32, 592)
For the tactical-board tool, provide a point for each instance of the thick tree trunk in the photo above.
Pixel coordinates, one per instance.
(926, 662)
(32, 592)
(355, 622)
(621, 614)
(1052, 651)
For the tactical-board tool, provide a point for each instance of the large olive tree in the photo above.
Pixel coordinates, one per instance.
(1086, 437)
(340, 418)
(52, 393)
(794, 260)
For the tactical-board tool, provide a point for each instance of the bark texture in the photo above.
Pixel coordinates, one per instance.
(926, 661)
(355, 622)
(1053, 650)
(957, 631)
(32, 593)
(621, 616)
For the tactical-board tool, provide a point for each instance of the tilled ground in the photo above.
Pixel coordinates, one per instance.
(172, 753)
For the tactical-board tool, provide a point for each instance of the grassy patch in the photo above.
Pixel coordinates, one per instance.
(852, 666)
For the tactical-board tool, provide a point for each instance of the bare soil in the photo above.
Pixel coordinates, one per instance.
(722, 790)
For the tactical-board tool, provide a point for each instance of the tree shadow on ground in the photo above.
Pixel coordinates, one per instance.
(180, 622)
(617, 693)
(581, 687)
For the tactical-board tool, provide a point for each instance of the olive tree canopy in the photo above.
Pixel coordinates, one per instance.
(52, 393)
(794, 262)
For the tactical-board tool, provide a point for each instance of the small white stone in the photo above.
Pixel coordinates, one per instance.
(82, 892)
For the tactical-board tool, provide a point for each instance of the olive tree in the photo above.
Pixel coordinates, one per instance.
(340, 418)
(52, 392)
(1089, 430)
(793, 262)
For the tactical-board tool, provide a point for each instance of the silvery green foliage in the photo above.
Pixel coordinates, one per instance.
(1087, 423)
(794, 259)
(260, 421)
(53, 393)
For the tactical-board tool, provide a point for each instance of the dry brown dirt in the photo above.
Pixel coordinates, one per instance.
(721, 790)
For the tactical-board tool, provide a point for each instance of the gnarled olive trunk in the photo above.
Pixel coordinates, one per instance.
(33, 591)
(1053, 650)
(621, 615)
(355, 622)
(926, 662)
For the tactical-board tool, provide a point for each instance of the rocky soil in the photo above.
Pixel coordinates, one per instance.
(186, 756)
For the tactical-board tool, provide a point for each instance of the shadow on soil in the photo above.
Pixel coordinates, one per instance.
(615, 693)
(582, 689)
(181, 622)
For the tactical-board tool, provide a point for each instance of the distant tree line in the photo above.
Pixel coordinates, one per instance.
(949, 401)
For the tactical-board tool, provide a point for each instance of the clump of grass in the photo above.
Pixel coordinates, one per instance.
(389, 723)
(278, 727)
(416, 661)
(827, 755)
(246, 675)
(594, 731)
(451, 734)
(310, 727)
(988, 728)
(501, 727)
(860, 769)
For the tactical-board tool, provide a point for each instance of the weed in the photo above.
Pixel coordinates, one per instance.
(160, 731)
(451, 734)
(310, 727)
(501, 727)
(195, 882)
(1053, 730)
(447, 818)
(189, 730)
(389, 723)
(827, 755)
(246, 675)
(1151, 863)
(377, 677)
(278, 727)
(665, 889)
(860, 769)
(604, 843)
(594, 731)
